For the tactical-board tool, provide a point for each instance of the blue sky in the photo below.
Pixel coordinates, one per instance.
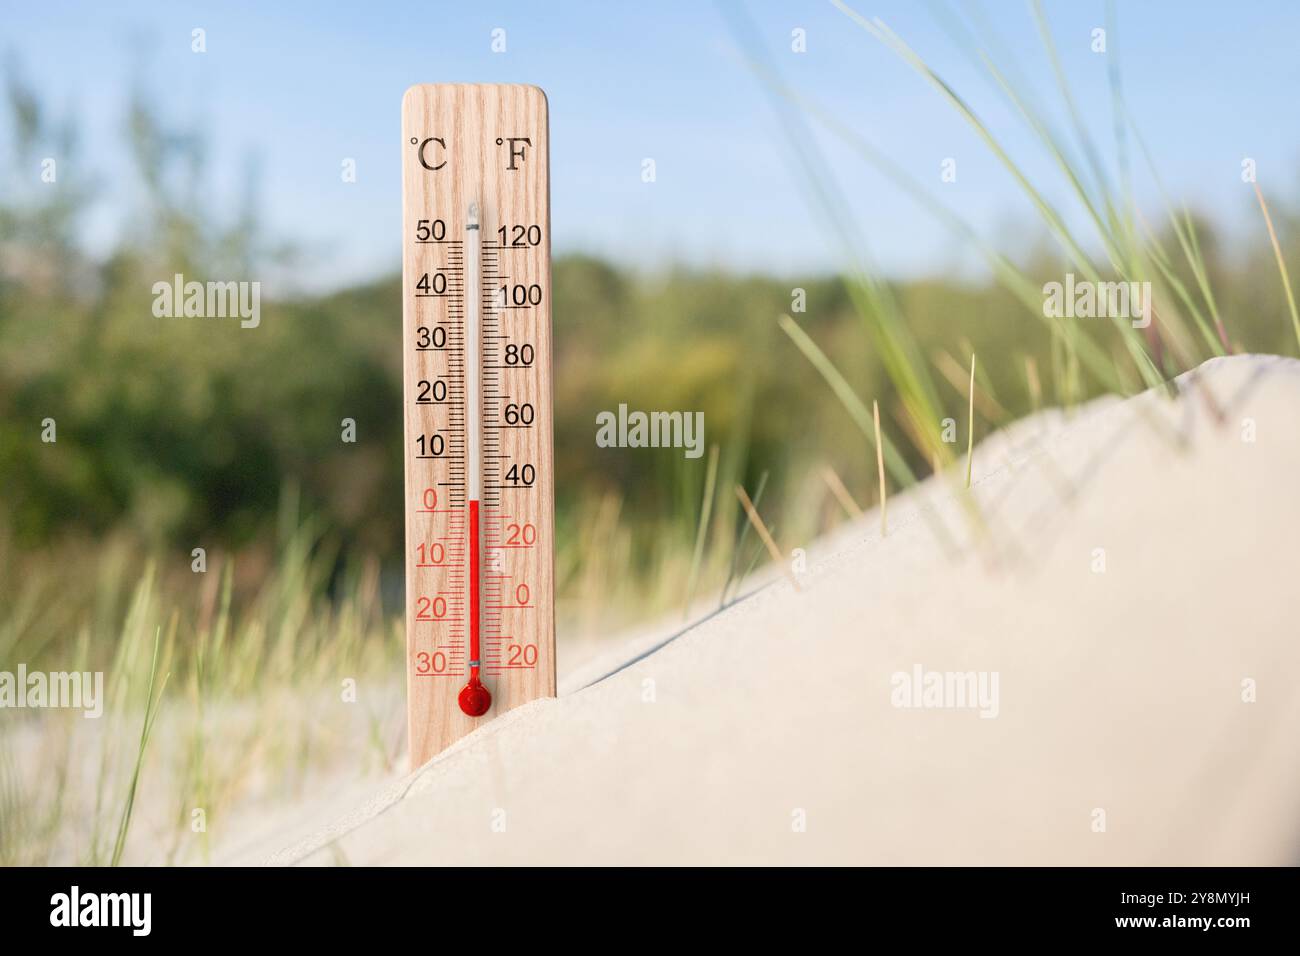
(301, 86)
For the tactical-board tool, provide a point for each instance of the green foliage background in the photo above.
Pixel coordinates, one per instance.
(186, 431)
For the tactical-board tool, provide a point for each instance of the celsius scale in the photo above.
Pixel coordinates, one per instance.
(476, 324)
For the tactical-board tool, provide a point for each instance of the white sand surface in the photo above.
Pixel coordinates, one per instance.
(1120, 692)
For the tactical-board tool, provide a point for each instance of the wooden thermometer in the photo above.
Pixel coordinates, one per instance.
(476, 324)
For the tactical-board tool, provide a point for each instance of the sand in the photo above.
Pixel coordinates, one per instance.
(1145, 713)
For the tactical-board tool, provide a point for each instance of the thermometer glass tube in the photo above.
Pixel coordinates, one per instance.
(474, 698)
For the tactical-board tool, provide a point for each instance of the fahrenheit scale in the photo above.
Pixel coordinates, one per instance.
(476, 321)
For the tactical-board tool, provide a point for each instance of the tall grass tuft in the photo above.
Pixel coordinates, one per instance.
(970, 424)
(151, 705)
(1281, 263)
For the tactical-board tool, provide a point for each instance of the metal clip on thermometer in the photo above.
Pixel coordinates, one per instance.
(476, 319)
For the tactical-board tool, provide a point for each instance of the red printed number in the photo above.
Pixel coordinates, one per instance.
(521, 534)
(426, 663)
(523, 654)
(426, 610)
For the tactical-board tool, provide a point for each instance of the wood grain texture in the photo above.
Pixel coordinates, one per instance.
(472, 135)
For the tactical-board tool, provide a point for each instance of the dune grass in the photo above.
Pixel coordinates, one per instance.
(841, 493)
(251, 674)
(765, 535)
(146, 728)
(702, 531)
(1187, 327)
(970, 426)
(1281, 263)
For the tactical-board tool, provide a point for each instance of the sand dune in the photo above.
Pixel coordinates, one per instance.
(771, 732)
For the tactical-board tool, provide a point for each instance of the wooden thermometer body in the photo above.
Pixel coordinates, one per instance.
(476, 324)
